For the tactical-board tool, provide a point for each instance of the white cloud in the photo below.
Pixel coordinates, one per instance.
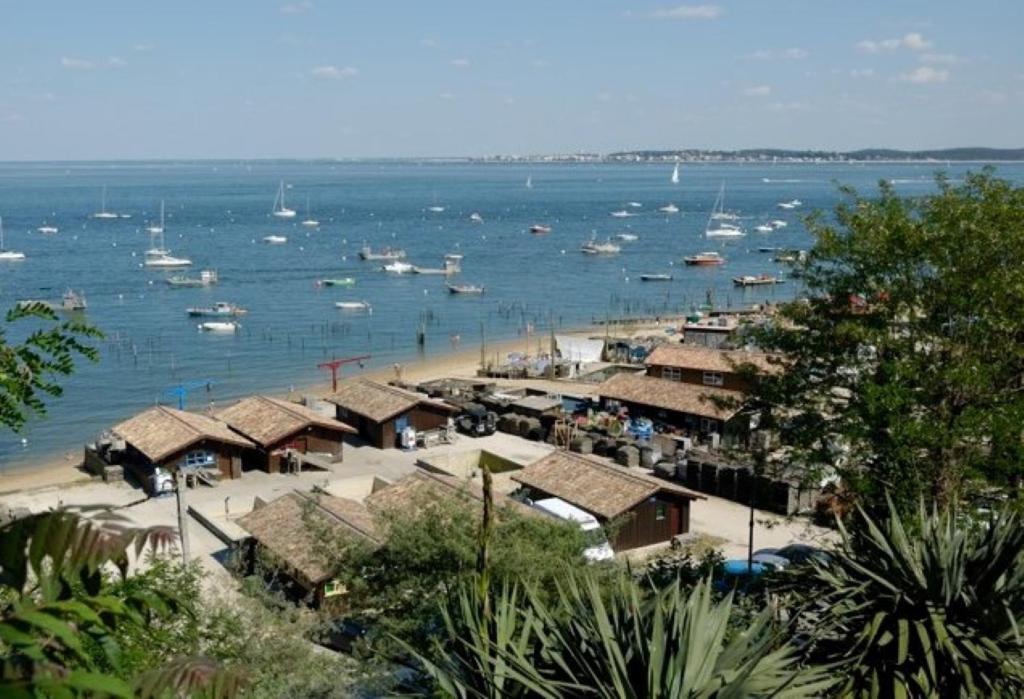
(761, 55)
(428, 43)
(789, 107)
(446, 96)
(13, 118)
(793, 54)
(912, 41)
(862, 73)
(758, 91)
(688, 12)
(77, 63)
(925, 75)
(334, 72)
(142, 48)
(460, 62)
(942, 58)
(296, 8)
(116, 62)
(539, 63)
(604, 96)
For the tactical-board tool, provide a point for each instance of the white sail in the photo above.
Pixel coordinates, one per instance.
(160, 228)
(675, 174)
(280, 210)
(529, 181)
(721, 230)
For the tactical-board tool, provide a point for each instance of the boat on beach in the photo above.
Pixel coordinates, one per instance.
(655, 277)
(219, 326)
(464, 289)
(5, 254)
(207, 277)
(342, 281)
(704, 259)
(275, 239)
(367, 253)
(592, 247)
(353, 306)
(538, 229)
(756, 280)
(280, 210)
(221, 309)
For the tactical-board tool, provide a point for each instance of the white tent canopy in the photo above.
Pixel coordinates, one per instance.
(576, 349)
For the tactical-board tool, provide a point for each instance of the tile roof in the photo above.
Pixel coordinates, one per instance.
(161, 431)
(665, 394)
(593, 484)
(707, 359)
(267, 420)
(409, 492)
(377, 401)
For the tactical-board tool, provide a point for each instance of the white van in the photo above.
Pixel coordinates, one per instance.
(598, 548)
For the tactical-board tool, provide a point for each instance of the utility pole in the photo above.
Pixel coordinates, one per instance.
(181, 487)
(335, 365)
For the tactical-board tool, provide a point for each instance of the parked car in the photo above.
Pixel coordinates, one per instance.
(477, 421)
(737, 575)
(598, 548)
(793, 554)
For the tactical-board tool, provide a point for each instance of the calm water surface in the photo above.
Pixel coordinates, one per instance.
(217, 214)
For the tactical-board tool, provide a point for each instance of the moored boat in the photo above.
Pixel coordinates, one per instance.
(397, 267)
(353, 306)
(655, 277)
(219, 326)
(756, 280)
(275, 239)
(367, 253)
(476, 218)
(464, 289)
(220, 309)
(592, 247)
(280, 210)
(5, 254)
(73, 301)
(47, 229)
(622, 214)
(704, 259)
(538, 229)
(207, 277)
(764, 228)
(342, 281)
(628, 237)
(669, 209)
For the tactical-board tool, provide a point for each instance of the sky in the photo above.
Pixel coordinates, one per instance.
(315, 78)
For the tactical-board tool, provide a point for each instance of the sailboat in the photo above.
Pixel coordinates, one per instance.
(103, 213)
(5, 254)
(529, 181)
(310, 222)
(160, 228)
(722, 230)
(675, 174)
(280, 210)
(159, 256)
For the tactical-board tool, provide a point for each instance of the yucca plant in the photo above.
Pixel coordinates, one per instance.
(922, 607)
(619, 642)
(58, 623)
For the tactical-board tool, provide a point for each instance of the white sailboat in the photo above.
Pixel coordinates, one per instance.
(103, 213)
(722, 230)
(310, 222)
(675, 174)
(669, 209)
(47, 229)
(280, 210)
(160, 257)
(160, 228)
(5, 254)
(529, 181)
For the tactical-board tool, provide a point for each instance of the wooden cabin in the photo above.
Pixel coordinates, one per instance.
(278, 426)
(380, 412)
(645, 510)
(172, 439)
(701, 366)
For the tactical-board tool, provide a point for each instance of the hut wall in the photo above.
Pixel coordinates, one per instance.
(643, 527)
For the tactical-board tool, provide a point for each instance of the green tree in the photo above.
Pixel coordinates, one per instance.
(29, 369)
(922, 606)
(904, 359)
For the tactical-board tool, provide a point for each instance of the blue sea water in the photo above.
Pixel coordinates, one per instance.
(218, 212)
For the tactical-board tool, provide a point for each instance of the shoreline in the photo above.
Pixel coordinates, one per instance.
(63, 467)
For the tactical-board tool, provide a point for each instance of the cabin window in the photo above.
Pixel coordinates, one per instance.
(660, 511)
(707, 425)
(672, 373)
(195, 459)
(333, 588)
(712, 378)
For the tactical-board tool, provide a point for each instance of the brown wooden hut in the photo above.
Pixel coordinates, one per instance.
(380, 412)
(702, 366)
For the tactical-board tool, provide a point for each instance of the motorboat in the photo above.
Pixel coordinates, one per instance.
(310, 222)
(768, 248)
(756, 280)
(103, 214)
(669, 209)
(464, 289)
(704, 259)
(435, 209)
(627, 237)
(353, 306)
(73, 301)
(778, 223)
(791, 256)
(622, 214)
(367, 253)
(792, 204)
(764, 228)
(450, 267)
(207, 277)
(724, 230)
(476, 218)
(163, 259)
(397, 267)
(538, 229)
(219, 326)
(275, 239)
(592, 247)
(634, 204)
(160, 228)
(5, 254)
(655, 277)
(280, 210)
(221, 309)
(453, 256)
(48, 230)
(343, 281)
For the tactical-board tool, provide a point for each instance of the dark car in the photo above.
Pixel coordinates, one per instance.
(477, 421)
(796, 554)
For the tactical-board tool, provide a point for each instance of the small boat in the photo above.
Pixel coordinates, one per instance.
(343, 281)
(538, 229)
(165, 260)
(704, 259)
(124, 215)
(280, 210)
(352, 305)
(451, 266)
(5, 254)
(768, 248)
(591, 247)
(160, 228)
(310, 222)
(675, 175)
(792, 204)
(220, 309)
(275, 239)
(207, 277)
(718, 213)
(634, 204)
(464, 289)
(529, 181)
(367, 253)
(453, 256)
(73, 301)
(476, 218)
(764, 228)
(669, 209)
(724, 230)
(655, 277)
(103, 213)
(628, 237)
(778, 223)
(219, 326)
(791, 256)
(756, 280)
(622, 214)
(48, 230)
(397, 267)
(435, 209)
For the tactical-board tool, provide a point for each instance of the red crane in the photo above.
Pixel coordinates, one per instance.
(335, 365)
